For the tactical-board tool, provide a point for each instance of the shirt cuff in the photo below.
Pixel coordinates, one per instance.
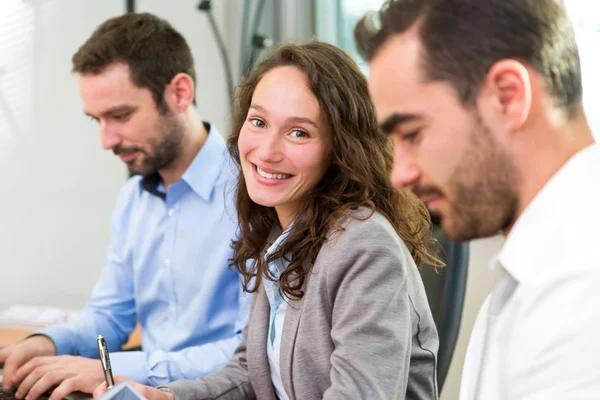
(131, 365)
(61, 338)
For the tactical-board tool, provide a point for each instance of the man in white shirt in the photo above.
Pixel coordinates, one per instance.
(483, 102)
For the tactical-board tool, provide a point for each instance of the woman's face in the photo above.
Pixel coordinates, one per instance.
(284, 144)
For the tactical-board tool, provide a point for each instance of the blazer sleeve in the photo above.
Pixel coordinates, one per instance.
(371, 312)
(232, 382)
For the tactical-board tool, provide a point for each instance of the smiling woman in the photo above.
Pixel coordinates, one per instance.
(329, 249)
(284, 145)
(324, 235)
(336, 164)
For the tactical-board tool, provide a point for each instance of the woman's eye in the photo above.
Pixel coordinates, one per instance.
(257, 123)
(299, 134)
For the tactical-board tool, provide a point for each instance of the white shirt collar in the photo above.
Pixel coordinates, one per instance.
(540, 224)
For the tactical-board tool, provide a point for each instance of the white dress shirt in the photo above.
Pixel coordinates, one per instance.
(274, 351)
(277, 317)
(538, 335)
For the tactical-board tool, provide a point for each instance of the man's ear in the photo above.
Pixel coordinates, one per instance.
(506, 95)
(180, 92)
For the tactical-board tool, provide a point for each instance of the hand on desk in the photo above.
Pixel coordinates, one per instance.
(148, 392)
(15, 356)
(67, 373)
(32, 368)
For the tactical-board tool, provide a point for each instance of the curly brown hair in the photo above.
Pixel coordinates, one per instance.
(358, 175)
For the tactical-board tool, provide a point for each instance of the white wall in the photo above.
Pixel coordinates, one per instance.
(211, 91)
(58, 185)
(586, 19)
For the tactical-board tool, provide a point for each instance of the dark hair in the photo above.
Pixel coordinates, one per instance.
(462, 39)
(358, 175)
(154, 51)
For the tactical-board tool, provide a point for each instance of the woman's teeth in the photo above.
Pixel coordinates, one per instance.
(271, 176)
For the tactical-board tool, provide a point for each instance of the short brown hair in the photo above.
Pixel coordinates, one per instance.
(462, 39)
(358, 175)
(154, 51)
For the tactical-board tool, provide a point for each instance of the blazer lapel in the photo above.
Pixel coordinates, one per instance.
(256, 349)
(288, 340)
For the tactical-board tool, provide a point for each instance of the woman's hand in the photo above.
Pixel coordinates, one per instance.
(148, 392)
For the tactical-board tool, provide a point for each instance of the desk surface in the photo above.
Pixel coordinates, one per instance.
(10, 336)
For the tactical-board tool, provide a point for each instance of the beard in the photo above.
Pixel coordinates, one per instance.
(481, 193)
(161, 150)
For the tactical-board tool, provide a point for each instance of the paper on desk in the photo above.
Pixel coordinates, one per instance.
(34, 316)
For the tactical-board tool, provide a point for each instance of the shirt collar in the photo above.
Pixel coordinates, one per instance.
(204, 171)
(277, 267)
(280, 239)
(202, 175)
(151, 183)
(540, 225)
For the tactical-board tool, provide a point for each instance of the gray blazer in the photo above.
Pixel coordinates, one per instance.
(363, 329)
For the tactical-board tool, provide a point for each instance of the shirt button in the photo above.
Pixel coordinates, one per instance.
(168, 262)
(172, 309)
(171, 212)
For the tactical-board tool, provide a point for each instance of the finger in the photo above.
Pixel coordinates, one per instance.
(99, 391)
(146, 391)
(151, 393)
(44, 384)
(101, 388)
(120, 378)
(4, 355)
(7, 372)
(26, 369)
(37, 377)
(24, 379)
(67, 386)
(11, 364)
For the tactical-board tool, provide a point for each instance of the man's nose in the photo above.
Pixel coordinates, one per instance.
(405, 173)
(108, 136)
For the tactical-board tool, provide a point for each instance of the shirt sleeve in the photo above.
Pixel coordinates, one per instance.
(110, 311)
(229, 383)
(160, 367)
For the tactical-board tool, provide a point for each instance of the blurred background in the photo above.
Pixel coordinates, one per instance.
(58, 185)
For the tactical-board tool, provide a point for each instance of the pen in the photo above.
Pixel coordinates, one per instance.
(105, 360)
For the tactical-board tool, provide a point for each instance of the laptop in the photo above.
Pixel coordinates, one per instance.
(72, 396)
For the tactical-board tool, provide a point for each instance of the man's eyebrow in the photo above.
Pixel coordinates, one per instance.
(113, 110)
(390, 123)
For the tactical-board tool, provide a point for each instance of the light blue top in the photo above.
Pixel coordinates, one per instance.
(277, 316)
(167, 267)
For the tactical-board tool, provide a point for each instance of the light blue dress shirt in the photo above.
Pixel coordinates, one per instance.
(167, 267)
(277, 315)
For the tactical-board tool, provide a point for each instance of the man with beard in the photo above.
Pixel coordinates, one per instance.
(167, 264)
(483, 102)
